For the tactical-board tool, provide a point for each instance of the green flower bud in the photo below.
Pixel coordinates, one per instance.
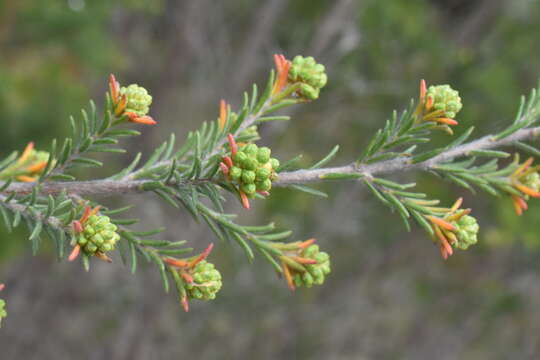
(263, 173)
(3, 312)
(138, 99)
(310, 74)
(275, 163)
(235, 173)
(250, 164)
(206, 282)
(264, 185)
(240, 157)
(445, 99)
(248, 176)
(249, 189)
(532, 181)
(99, 234)
(466, 232)
(263, 155)
(251, 150)
(315, 273)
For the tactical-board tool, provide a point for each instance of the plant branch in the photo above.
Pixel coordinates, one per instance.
(110, 187)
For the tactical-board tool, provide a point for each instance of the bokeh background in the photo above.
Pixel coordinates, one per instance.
(390, 296)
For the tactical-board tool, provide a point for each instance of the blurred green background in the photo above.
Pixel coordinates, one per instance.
(390, 296)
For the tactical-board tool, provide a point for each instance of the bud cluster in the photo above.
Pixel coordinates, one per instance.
(250, 168)
(206, 282)
(466, 232)
(138, 99)
(98, 236)
(526, 180)
(310, 76)
(315, 273)
(196, 278)
(444, 99)
(455, 227)
(439, 104)
(28, 166)
(132, 101)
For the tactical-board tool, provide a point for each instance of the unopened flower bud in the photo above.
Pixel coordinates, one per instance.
(206, 282)
(99, 234)
(445, 99)
(138, 99)
(466, 232)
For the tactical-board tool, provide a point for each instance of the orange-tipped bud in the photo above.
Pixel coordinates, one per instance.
(228, 161)
(26, 178)
(74, 253)
(288, 276)
(526, 190)
(145, 120)
(37, 167)
(282, 72)
(244, 199)
(224, 168)
(457, 204)
(202, 256)
(442, 223)
(77, 226)
(176, 262)
(302, 260)
(185, 303)
(188, 278)
(26, 153)
(446, 121)
(114, 88)
(306, 243)
(102, 256)
(423, 90)
(232, 144)
(222, 114)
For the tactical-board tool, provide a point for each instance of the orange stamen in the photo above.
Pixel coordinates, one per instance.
(442, 223)
(222, 114)
(74, 253)
(264, 193)
(77, 226)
